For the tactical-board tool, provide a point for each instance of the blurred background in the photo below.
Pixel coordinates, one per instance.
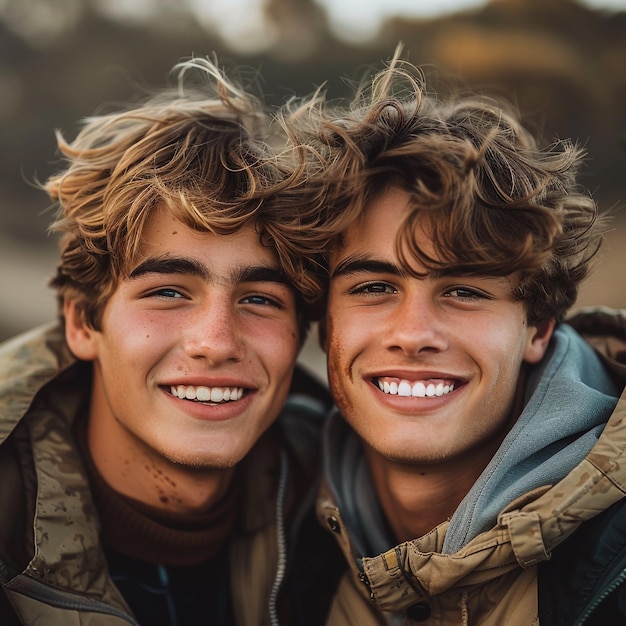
(563, 62)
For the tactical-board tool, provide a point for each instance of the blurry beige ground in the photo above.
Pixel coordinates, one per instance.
(27, 301)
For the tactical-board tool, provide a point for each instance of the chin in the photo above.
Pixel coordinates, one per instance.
(204, 461)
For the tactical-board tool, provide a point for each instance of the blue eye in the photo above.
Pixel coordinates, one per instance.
(256, 300)
(261, 301)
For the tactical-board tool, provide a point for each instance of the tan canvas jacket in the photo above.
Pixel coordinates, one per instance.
(492, 580)
(52, 565)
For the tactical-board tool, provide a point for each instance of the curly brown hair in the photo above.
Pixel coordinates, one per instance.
(496, 202)
(201, 150)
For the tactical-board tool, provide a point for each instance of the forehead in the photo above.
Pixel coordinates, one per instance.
(164, 234)
(376, 230)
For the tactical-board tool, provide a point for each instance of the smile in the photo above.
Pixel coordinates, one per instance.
(207, 394)
(431, 388)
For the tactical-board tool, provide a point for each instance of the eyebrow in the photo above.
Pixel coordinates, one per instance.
(192, 267)
(364, 264)
(261, 274)
(171, 265)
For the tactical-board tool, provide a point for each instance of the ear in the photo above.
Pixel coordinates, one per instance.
(80, 337)
(538, 339)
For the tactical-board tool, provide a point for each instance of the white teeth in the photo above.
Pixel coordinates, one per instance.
(417, 390)
(207, 394)
(203, 394)
(404, 389)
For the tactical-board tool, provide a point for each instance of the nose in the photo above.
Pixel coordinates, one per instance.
(415, 326)
(213, 333)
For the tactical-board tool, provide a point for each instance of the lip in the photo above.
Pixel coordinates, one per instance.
(222, 381)
(209, 411)
(411, 402)
(459, 381)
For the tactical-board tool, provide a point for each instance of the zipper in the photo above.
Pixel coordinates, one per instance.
(281, 540)
(365, 581)
(603, 596)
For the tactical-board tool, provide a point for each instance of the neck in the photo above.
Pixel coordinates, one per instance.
(417, 498)
(135, 471)
(156, 535)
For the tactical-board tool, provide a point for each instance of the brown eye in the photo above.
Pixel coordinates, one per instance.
(464, 293)
(374, 288)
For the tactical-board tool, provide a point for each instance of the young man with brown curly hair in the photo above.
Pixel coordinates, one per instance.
(475, 466)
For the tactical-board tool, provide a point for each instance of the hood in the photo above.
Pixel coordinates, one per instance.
(569, 398)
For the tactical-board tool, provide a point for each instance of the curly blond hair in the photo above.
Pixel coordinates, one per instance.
(199, 148)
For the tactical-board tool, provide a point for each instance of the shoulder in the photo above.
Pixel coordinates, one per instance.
(599, 320)
(44, 344)
(605, 330)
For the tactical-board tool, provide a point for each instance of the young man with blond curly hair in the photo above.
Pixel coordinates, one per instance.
(156, 447)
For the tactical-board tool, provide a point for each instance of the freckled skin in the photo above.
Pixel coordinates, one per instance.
(175, 327)
(335, 372)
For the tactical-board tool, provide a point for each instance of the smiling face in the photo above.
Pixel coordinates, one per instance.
(196, 350)
(425, 370)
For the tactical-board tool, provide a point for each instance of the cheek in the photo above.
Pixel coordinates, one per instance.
(277, 346)
(500, 361)
(133, 344)
(504, 342)
(346, 339)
